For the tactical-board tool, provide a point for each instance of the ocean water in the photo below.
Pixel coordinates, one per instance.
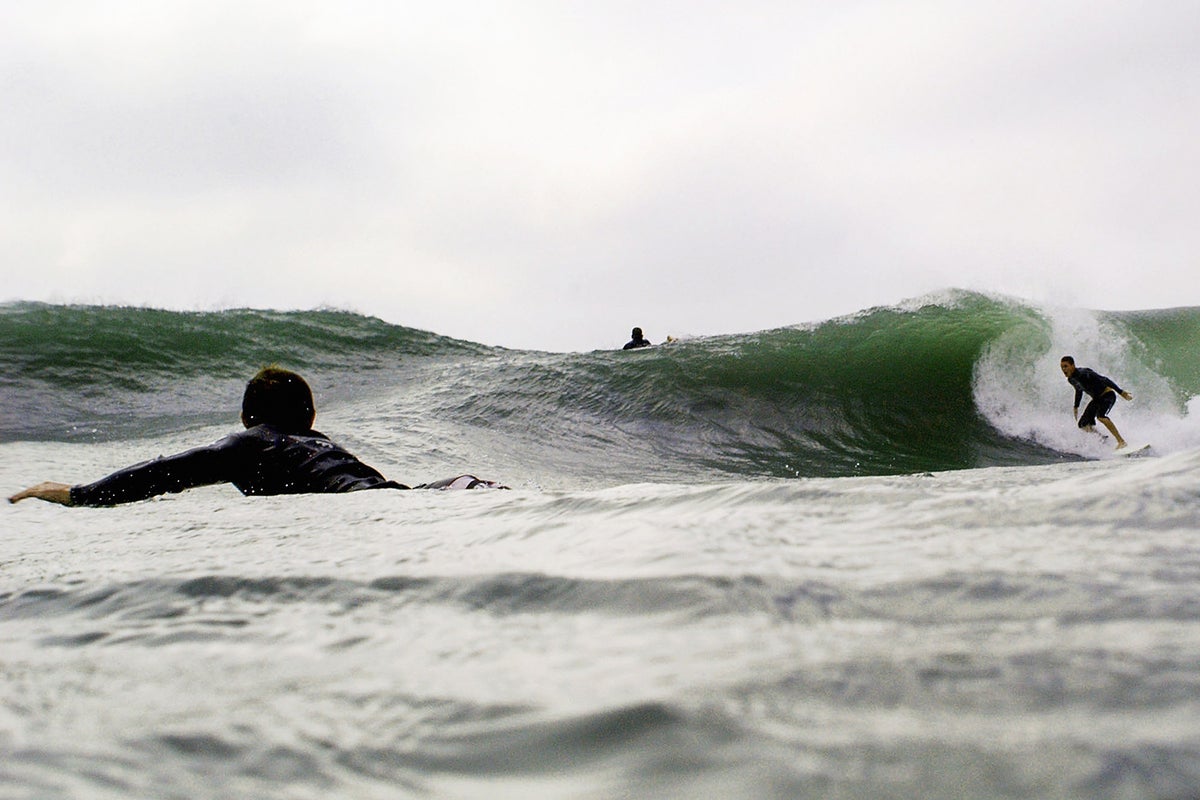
(870, 557)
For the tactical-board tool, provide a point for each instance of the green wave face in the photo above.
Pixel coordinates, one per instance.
(957, 381)
(1168, 341)
(883, 392)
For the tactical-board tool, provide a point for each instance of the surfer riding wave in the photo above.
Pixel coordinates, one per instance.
(1103, 391)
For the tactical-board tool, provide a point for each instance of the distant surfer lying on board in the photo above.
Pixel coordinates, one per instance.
(637, 340)
(278, 453)
(1103, 392)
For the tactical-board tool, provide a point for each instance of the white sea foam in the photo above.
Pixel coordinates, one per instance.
(1020, 389)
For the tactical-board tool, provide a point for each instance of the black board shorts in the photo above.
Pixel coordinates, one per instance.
(1099, 407)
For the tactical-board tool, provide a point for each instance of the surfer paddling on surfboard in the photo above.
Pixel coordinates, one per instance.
(278, 453)
(1103, 392)
(636, 341)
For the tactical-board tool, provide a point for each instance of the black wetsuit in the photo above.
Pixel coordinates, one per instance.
(1096, 386)
(633, 344)
(259, 460)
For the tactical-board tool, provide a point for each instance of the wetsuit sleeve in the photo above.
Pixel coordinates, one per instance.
(199, 467)
(1078, 391)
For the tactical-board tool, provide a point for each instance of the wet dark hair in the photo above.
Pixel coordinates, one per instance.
(279, 398)
(1069, 359)
(637, 333)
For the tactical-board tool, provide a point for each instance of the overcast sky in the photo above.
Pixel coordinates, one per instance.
(549, 174)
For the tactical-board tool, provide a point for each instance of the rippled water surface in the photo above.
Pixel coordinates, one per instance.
(1002, 632)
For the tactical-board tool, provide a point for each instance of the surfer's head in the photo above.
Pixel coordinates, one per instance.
(1067, 365)
(280, 398)
(637, 334)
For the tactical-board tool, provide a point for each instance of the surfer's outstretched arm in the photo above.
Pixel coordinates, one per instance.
(49, 491)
